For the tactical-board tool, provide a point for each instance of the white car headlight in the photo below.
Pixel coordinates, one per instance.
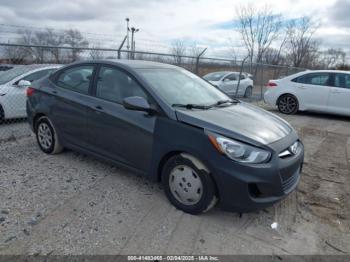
(239, 151)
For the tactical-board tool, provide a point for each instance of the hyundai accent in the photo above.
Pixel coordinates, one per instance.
(171, 126)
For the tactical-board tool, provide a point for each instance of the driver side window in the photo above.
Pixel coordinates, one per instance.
(77, 79)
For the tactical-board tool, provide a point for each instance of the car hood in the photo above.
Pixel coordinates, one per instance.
(242, 120)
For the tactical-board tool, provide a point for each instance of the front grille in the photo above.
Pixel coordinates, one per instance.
(289, 183)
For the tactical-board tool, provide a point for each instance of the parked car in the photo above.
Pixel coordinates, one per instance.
(320, 91)
(13, 84)
(168, 124)
(228, 81)
(5, 67)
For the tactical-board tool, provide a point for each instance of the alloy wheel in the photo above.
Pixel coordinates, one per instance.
(288, 105)
(45, 136)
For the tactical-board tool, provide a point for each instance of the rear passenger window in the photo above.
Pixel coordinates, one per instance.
(342, 80)
(115, 85)
(321, 79)
(77, 79)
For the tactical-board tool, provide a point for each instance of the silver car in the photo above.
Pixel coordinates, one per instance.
(227, 82)
(13, 84)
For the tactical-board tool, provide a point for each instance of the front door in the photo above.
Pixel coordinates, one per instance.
(17, 94)
(115, 132)
(229, 84)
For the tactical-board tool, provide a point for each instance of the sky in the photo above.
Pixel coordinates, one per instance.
(204, 23)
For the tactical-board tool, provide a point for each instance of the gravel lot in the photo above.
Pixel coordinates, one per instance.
(75, 204)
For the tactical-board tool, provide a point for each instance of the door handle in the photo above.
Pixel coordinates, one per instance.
(336, 92)
(302, 87)
(99, 108)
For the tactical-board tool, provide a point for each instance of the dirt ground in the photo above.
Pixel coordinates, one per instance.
(75, 204)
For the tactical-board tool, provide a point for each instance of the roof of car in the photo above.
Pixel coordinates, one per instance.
(37, 66)
(135, 64)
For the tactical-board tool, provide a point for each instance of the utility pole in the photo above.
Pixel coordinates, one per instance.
(127, 36)
(133, 31)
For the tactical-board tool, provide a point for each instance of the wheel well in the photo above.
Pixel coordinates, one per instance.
(286, 94)
(37, 116)
(163, 161)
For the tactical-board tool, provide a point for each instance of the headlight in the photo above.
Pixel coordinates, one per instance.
(238, 151)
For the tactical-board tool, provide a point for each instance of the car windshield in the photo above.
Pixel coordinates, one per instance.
(13, 73)
(216, 76)
(180, 87)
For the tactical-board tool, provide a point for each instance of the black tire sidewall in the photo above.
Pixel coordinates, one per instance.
(52, 147)
(292, 112)
(2, 115)
(209, 190)
(248, 92)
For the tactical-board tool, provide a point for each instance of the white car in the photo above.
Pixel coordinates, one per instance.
(228, 81)
(13, 85)
(321, 91)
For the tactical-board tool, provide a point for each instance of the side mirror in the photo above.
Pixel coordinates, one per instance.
(24, 83)
(226, 80)
(138, 103)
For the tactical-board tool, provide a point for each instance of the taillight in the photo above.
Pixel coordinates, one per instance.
(271, 84)
(30, 91)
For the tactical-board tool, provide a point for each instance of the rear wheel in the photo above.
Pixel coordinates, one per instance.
(248, 92)
(288, 104)
(47, 137)
(189, 187)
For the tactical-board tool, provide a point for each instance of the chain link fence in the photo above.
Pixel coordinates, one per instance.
(25, 57)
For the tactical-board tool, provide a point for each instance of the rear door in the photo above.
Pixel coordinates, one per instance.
(114, 131)
(339, 97)
(313, 90)
(68, 100)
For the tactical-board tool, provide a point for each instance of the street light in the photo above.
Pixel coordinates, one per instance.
(127, 34)
(133, 31)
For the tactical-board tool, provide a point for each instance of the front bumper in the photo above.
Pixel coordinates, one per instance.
(244, 188)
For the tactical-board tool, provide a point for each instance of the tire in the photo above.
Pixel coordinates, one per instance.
(288, 104)
(2, 115)
(248, 92)
(46, 136)
(198, 192)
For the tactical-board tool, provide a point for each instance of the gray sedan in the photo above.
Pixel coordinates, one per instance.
(169, 125)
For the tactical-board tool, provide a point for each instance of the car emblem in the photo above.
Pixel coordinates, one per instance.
(294, 148)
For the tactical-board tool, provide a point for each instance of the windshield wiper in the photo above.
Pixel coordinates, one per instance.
(191, 106)
(222, 102)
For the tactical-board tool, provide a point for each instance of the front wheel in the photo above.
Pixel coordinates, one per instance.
(188, 184)
(288, 104)
(47, 137)
(248, 92)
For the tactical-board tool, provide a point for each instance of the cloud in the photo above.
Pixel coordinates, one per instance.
(204, 22)
(339, 13)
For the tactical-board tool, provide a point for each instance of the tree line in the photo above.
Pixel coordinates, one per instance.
(269, 39)
(71, 39)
